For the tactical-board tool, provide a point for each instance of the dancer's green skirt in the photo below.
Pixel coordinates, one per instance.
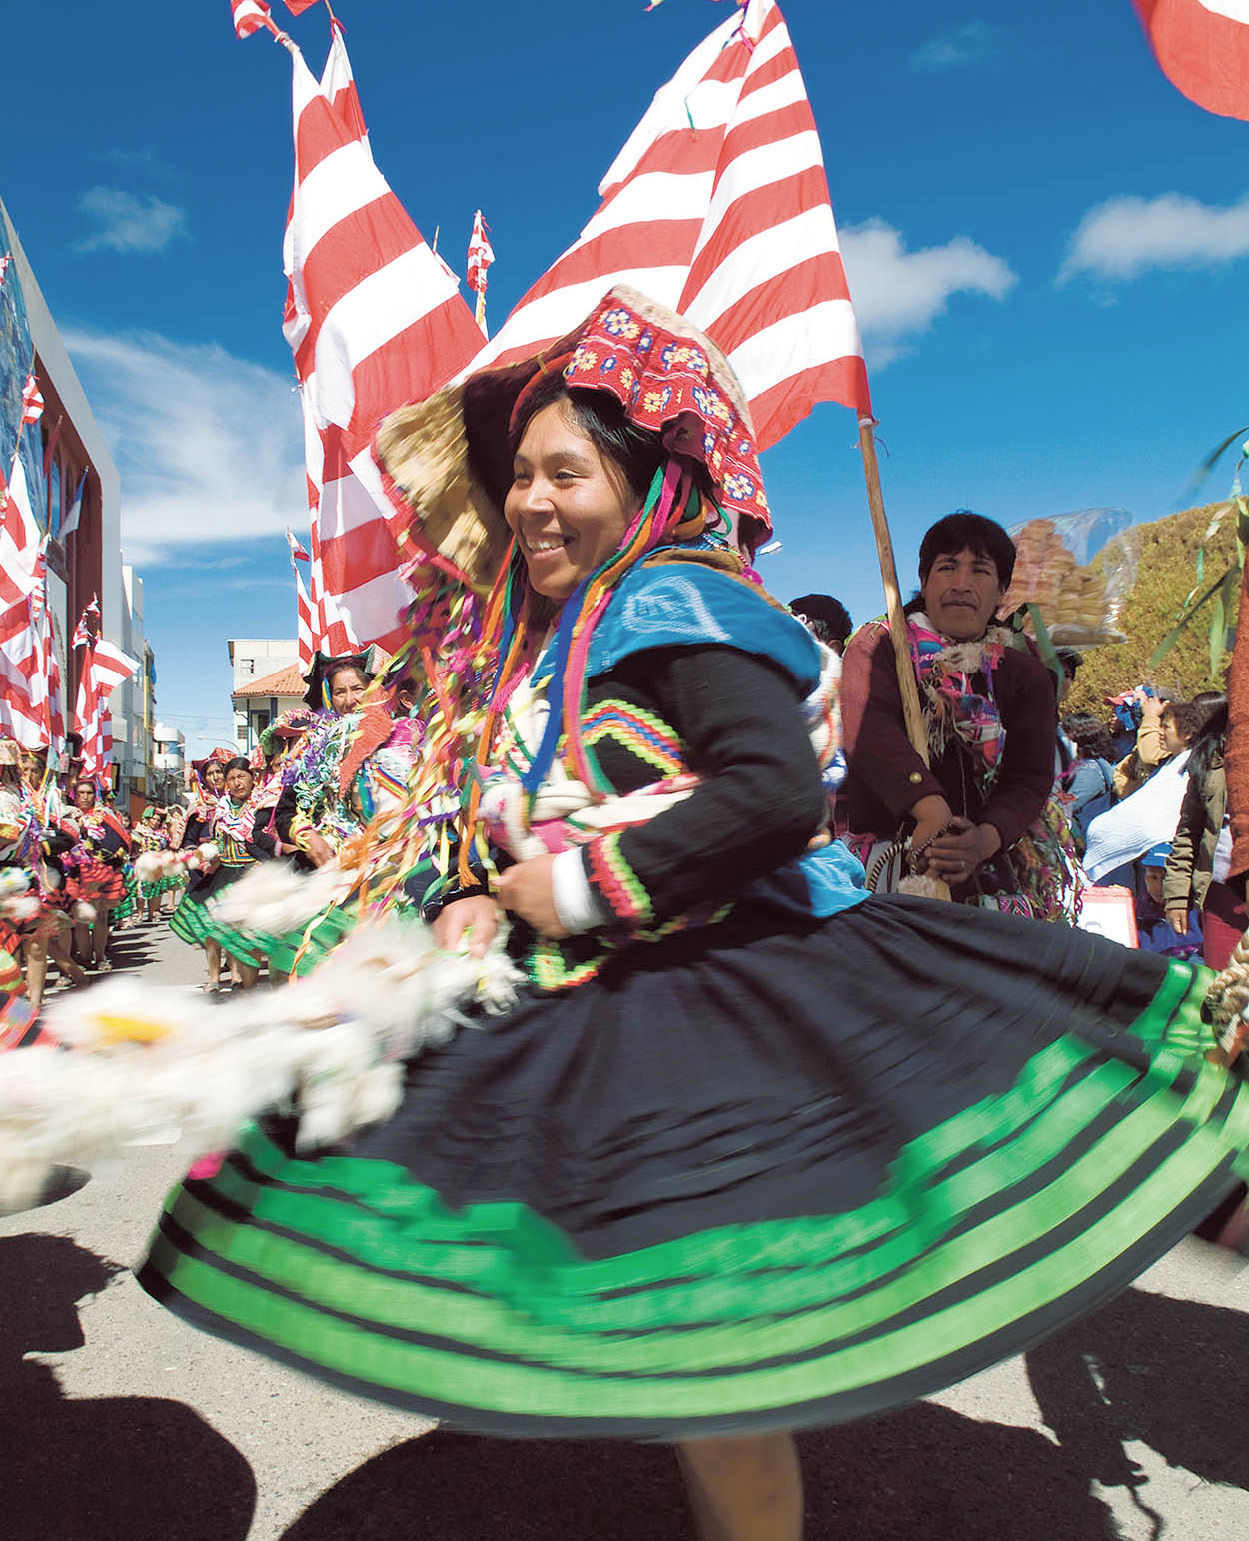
(758, 1176)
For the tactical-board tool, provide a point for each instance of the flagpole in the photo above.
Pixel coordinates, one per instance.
(912, 714)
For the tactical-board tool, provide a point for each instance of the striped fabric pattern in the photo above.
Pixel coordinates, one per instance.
(994, 1227)
(251, 16)
(306, 633)
(103, 667)
(718, 207)
(374, 319)
(32, 401)
(26, 707)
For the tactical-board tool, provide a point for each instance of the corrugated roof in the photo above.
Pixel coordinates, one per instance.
(282, 682)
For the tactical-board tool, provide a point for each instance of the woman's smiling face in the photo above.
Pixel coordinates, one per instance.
(569, 505)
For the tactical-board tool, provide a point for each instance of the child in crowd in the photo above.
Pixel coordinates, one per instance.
(1156, 930)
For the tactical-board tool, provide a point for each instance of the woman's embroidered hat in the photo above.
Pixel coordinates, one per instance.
(450, 457)
(290, 725)
(371, 662)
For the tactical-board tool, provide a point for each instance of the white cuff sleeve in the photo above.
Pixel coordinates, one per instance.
(575, 902)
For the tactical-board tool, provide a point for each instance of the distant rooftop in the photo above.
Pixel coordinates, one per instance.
(282, 682)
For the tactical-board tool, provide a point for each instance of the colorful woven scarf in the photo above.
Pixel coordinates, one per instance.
(956, 691)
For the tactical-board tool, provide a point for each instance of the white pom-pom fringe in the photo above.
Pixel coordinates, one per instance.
(273, 898)
(140, 1058)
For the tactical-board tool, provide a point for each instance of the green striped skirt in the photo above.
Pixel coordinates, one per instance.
(747, 1178)
(193, 922)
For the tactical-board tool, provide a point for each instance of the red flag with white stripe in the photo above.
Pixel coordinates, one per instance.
(19, 537)
(32, 401)
(718, 207)
(374, 320)
(1203, 49)
(42, 668)
(303, 614)
(303, 607)
(480, 255)
(251, 16)
(88, 625)
(22, 710)
(103, 668)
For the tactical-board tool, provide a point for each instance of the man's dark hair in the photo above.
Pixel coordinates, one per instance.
(965, 531)
(827, 618)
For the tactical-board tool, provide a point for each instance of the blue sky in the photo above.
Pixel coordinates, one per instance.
(1045, 242)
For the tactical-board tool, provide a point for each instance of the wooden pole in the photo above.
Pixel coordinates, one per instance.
(912, 715)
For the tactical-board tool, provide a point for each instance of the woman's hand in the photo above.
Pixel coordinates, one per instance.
(1177, 918)
(956, 854)
(317, 849)
(528, 890)
(478, 914)
(1151, 706)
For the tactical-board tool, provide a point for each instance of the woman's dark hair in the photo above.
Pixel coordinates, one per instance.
(356, 665)
(1090, 736)
(637, 451)
(1209, 742)
(965, 531)
(1189, 717)
(239, 763)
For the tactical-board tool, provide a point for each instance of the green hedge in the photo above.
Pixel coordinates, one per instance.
(1166, 554)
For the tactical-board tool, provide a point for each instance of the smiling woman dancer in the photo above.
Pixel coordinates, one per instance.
(751, 1152)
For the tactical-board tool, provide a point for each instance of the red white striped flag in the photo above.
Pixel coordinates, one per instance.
(32, 401)
(480, 255)
(251, 16)
(22, 698)
(19, 537)
(103, 668)
(1203, 49)
(303, 607)
(374, 320)
(84, 632)
(41, 666)
(718, 207)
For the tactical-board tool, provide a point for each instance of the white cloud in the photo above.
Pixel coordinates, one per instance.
(898, 294)
(1126, 236)
(127, 223)
(976, 45)
(209, 446)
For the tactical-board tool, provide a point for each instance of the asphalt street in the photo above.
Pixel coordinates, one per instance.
(122, 1423)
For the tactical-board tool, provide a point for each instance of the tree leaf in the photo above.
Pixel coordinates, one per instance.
(1173, 636)
(1218, 632)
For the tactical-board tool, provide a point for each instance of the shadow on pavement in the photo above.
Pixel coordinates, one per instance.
(138, 1468)
(925, 1472)
(1169, 1373)
(133, 948)
(1172, 1374)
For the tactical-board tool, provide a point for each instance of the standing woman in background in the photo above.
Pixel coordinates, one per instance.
(1198, 867)
(195, 829)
